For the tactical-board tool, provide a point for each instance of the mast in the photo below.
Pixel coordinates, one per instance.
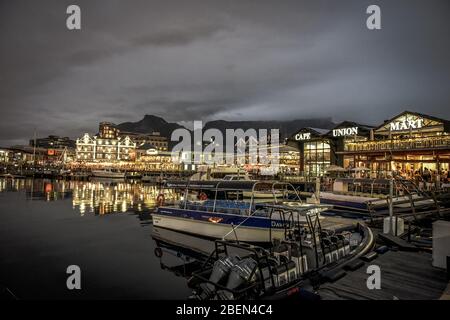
(34, 153)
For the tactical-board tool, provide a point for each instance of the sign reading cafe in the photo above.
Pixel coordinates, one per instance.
(303, 136)
(342, 132)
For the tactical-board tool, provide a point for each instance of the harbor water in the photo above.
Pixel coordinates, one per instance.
(103, 227)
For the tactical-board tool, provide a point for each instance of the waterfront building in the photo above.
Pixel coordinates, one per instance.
(53, 142)
(148, 158)
(4, 156)
(112, 144)
(103, 148)
(159, 142)
(108, 130)
(407, 143)
(21, 155)
(315, 150)
(107, 146)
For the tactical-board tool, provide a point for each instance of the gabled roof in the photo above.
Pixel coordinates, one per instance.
(344, 124)
(363, 129)
(313, 131)
(429, 121)
(146, 146)
(319, 130)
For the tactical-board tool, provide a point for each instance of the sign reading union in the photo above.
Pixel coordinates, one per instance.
(303, 136)
(406, 124)
(345, 132)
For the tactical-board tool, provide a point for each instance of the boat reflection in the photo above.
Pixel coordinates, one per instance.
(182, 253)
(98, 196)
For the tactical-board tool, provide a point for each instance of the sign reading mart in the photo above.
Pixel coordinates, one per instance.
(406, 124)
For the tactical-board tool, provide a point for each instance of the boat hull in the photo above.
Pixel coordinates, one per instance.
(106, 174)
(247, 229)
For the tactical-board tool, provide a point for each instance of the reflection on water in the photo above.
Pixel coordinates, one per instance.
(182, 254)
(96, 196)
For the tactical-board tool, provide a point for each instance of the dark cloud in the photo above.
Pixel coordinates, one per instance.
(177, 37)
(211, 59)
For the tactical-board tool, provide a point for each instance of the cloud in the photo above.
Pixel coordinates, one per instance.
(207, 59)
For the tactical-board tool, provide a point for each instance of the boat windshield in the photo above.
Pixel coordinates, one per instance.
(240, 196)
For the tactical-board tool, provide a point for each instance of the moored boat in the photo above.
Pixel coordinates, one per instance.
(370, 197)
(311, 257)
(108, 173)
(237, 219)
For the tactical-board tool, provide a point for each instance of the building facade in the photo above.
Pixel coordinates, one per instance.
(155, 139)
(407, 143)
(53, 142)
(102, 148)
(108, 130)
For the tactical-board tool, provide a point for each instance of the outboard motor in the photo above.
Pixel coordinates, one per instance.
(345, 244)
(281, 252)
(220, 271)
(339, 240)
(336, 245)
(327, 250)
(241, 273)
(301, 262)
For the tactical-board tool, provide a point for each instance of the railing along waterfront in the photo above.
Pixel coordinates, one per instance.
(406, 144)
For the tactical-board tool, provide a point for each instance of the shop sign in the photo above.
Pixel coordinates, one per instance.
(406, 124)
(303, 136)
(342, 132)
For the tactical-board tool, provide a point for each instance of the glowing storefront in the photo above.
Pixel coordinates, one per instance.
(406, 143)
(315, 150)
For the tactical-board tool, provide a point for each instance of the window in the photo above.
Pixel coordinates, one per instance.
(317, 157)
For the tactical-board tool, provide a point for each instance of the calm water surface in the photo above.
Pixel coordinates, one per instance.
(104, 227)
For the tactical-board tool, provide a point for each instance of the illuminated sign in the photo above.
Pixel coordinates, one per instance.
(50, 152)
(151, 151)
(303, 136)
(342, 132)
(406, 124)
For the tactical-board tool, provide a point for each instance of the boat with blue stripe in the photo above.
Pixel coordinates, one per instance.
(229, 216)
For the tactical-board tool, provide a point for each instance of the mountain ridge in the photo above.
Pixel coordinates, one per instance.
(151, 123)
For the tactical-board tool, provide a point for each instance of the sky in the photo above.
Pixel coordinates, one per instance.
(190, 60)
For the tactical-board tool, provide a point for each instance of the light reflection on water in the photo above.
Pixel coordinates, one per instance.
(100, 196)
(47, 225)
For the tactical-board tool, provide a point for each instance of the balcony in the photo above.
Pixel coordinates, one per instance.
(399, 145)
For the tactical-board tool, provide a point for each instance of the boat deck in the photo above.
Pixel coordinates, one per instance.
(404, 276)
(337, 222)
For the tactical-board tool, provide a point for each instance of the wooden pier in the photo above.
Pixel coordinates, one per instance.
(404, 276)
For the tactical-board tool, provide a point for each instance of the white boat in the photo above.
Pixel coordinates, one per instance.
(262, 194)
(205, 173)
(108, 173)
(248, 221)
(152, 178)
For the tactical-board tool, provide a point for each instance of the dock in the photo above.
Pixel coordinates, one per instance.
(404, 276)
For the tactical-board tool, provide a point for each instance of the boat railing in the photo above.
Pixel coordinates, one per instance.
(224, 206)
(376, 187)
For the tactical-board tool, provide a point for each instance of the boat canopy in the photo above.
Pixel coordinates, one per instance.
(225, 184)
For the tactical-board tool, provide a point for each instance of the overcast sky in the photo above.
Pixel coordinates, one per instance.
(202, 60)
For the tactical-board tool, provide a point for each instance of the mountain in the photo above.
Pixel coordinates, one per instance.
(152, 123)
(287, 128)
